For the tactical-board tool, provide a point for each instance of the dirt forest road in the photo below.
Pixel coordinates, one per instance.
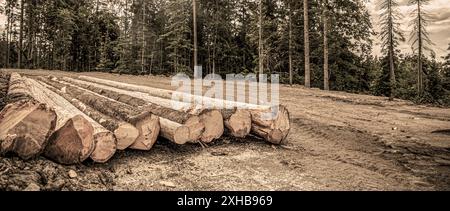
(338, 141)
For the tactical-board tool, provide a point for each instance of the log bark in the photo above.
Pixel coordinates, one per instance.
(196, 124)
(74, 138)
(168, 94)
(146, 123)
(105, 141)
(25, 123)
(175, 132)
(124, 132)
(17, 89)
(239, 118)
(237, 121)
(128, 96)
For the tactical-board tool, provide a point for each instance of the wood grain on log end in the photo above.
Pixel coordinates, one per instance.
(126, 134)
(239, 124)
(196, 128)
(105, 147)
(73, 143)
(148, 133)
(214, 127)
(25, 127)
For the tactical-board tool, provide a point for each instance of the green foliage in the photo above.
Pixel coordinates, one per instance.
(156, 37)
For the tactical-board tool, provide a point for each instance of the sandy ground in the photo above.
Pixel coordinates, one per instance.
(338, 141)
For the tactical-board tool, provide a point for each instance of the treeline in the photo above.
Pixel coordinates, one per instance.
(234, 36)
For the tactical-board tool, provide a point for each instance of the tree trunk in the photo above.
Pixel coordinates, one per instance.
(391, 53)
(290, 45)
(143, 37)
(326, 74)
(8, 31)
(161, 107)
(128, 135)
(420, 68)
(77, 136)
(261, 59)
(25, 123)
(236, 120)
(123, 131)
(194, 12)
(274, 130)
(19, 61)
(306, 34)
(25, 127)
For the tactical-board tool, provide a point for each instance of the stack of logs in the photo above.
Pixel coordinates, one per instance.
(69, 120)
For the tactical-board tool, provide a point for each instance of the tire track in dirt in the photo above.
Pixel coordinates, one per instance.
(361, 149)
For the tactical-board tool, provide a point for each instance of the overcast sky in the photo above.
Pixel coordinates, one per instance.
(439, 27)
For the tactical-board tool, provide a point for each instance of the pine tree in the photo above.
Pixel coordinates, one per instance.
(420, 38)
(390, 36)
(178, 35)
(446, 72)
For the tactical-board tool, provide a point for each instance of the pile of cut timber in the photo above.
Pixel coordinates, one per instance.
(70, 120)
(240, 121)
(25, 123)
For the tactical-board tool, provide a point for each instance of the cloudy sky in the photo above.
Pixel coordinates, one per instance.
(439, 27)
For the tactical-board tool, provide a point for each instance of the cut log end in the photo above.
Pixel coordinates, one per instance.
(73, 143)
(174, 132)
(239, 124)
(25, 127)
(274, 131)
(126, 134)
(196, 128)
(105, 147)
(282, 124)
(214, 127)
(181, 135)
(148, 133)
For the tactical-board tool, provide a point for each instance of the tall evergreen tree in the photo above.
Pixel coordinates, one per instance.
(420, 38)
(390, 36)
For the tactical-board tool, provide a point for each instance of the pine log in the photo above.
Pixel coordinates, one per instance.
(74, 139)
(237, 121)
(198, 130)
(168, 94)
(131, 97)
(146, 123)
(162, 93)
(25, 127)
(124, 132)
(274, 130)
(25, 123)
